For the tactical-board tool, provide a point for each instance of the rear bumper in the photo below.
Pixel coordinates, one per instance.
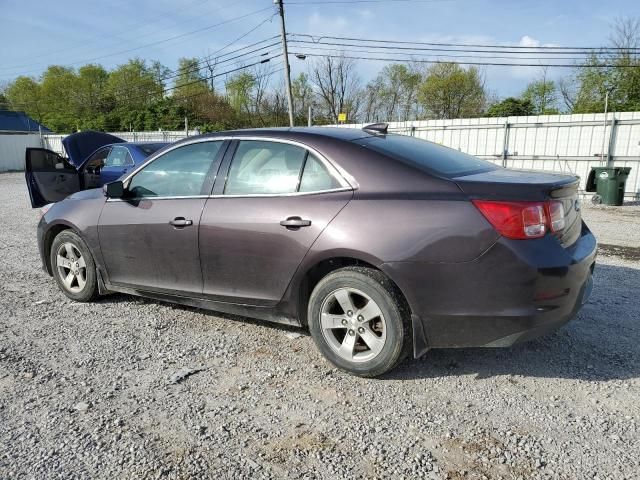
(514, 292)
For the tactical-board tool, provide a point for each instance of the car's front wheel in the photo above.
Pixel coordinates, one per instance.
(73, 267)
(359, 321)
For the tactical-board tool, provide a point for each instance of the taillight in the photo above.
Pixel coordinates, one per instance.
(556, 215)
(522, 220)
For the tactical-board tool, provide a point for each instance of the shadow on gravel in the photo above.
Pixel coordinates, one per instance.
(114, 298)
(601, 343)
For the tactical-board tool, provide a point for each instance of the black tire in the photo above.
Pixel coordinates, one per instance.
(77, 291)
(395, 317)
(596, 199)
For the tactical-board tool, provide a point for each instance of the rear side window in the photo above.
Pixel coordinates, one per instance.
(427, 155)
(118, 157)
(316, 177)
(261, 167)
(178, 173)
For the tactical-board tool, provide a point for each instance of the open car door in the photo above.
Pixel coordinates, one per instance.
(50, 177)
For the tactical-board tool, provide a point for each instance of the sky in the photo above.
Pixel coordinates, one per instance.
(36, 34)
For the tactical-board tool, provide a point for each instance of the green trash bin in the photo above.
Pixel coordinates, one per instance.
(609, 184)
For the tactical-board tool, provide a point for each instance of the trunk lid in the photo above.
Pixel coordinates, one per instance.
(529, 186)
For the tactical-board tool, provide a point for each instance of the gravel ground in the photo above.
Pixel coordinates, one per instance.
(104, 390)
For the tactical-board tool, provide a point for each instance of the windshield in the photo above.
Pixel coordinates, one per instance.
(426, 155)
(149, 148)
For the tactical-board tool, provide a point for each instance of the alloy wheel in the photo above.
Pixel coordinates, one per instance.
(71, 267)
(353, 324)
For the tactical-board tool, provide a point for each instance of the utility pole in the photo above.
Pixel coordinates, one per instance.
(285, 53)
(604, 126)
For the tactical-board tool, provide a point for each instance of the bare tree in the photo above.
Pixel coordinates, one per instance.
(262, 75)
(338, 86)
(210, 65)
(568, 87)
(626, 35)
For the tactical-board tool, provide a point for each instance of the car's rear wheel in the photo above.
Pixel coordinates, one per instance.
(359, 321)
(73, 267)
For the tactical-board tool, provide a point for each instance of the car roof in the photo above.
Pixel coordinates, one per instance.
(346, 134)
(136, 144)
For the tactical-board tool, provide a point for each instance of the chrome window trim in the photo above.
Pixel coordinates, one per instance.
(255, 195)
(347, 182)
(180, 197)
(291, 194)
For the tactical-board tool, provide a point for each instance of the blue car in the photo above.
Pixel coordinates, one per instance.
(95, 157)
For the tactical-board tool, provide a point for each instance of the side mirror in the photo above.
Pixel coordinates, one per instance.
(113, 189)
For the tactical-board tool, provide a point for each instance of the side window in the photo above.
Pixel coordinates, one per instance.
(179, 172)
(96, 161)
(118, 157)
(46, 160)
(262, 167)
(316, 177)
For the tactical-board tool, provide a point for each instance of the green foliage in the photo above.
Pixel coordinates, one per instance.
(450, 91)
(392, 94)
(622, 81)
(510, 107)
(542, 94)
(239, 90)
(25, 94)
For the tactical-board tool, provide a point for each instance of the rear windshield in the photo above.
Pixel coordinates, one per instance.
(429, 156)
(149, 148)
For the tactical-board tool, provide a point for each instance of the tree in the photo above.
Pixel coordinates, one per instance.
(450, 91)
(337, 86)
(133, 88)
(240, 90)
(91, 104)
(510, 107)
(190, 86)
(392, 94)
(303, 97)
(616, 73)
(542, 94)
(4, 102)
(24, 94)
(57, 89)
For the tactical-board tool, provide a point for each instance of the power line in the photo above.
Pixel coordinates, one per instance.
(359, 50)
(182, 35)
(147, 22)
(207, 58)
(344, 2)
(500, 64)
(439, 49)
(178, 72)
(319, 38)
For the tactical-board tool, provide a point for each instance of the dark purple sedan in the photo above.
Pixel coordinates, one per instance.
(381, 245)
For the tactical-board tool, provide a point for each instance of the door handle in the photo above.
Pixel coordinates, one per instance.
(180, 222)
(295, 223)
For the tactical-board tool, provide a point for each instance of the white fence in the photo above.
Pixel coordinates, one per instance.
(54, 142)
(12, 146)
(561, 143)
